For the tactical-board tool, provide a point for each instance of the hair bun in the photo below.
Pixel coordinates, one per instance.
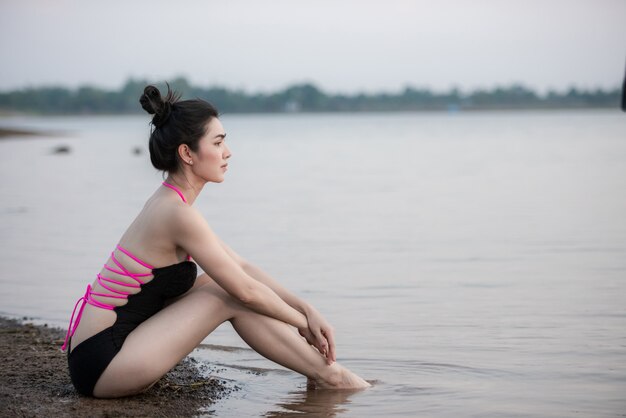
(152, 102)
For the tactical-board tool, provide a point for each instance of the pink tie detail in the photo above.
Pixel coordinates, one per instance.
(88, 297)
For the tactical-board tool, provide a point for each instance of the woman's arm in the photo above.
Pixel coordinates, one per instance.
(258, 274)
(319, 333)
(193, 234)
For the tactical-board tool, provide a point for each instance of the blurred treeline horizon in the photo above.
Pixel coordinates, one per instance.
(304, 97)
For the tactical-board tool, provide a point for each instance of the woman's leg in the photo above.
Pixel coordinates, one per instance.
(159, 343)
(279, 342)
(163, 340)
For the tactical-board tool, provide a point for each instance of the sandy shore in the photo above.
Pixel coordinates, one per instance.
(34, 382)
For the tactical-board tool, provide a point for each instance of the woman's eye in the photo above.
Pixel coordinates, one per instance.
(218, 143)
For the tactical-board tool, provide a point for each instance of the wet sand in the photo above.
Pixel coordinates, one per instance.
(34, 381)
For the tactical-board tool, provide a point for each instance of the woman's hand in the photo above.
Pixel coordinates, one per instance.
(320, 334)
(310, 338)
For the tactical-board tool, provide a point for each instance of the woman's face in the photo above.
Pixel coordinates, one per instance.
(209, 162)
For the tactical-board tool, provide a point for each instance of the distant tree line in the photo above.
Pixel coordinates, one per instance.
(300, 98)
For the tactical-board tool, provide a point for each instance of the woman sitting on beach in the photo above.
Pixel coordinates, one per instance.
(147, 310)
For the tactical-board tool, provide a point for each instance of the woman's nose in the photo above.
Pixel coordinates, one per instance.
(227, 152)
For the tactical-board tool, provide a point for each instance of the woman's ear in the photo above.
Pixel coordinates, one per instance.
(185, 154)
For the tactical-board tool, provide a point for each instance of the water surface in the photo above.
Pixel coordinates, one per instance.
(472, 264)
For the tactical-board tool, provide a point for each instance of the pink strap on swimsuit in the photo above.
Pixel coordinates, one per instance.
(176, 190)
(117, 294)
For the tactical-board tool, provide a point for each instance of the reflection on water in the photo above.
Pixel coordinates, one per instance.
(475, 264)
(268, 389)
(324, 403)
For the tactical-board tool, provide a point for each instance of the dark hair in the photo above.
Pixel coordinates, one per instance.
(175, 122)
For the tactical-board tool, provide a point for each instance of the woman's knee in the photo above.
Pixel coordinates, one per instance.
(210, 294)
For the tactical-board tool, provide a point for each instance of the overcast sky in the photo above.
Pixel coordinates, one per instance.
(342, 46)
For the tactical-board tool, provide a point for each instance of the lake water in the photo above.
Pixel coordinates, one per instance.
(472, 264)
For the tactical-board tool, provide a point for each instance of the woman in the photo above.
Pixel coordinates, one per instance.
(147, 310)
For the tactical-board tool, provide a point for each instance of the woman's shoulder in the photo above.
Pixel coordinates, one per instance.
(184, 217)
(174, 214)
(191, 230)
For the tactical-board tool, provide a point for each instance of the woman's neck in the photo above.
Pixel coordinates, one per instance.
(187, 186)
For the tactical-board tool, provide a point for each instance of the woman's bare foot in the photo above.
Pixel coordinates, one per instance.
(338, 377)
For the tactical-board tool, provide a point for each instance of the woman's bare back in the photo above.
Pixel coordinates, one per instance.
(148, 238)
